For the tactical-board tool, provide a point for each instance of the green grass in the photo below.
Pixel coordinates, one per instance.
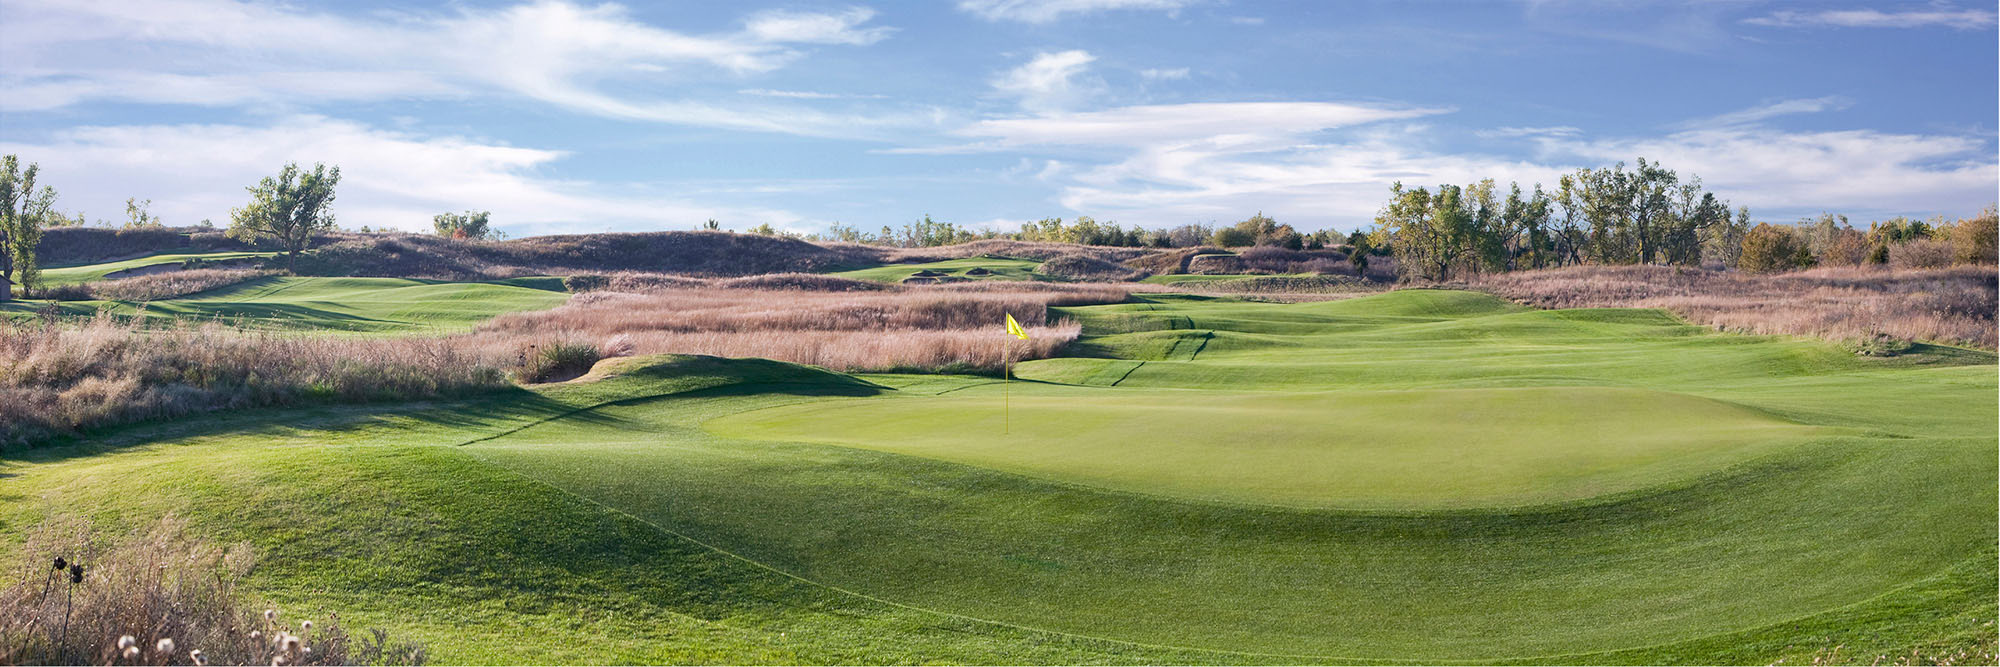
(1420, 475)
(364, 305)
(1178, 278)
(83, 273)
(999, 268)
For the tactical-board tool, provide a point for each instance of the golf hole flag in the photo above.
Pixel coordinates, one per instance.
(1014, 328)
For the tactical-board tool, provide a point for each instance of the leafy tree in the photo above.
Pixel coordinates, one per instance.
(1972, 241)
(1358, 250)
(136, 215)
(23, 212)
(467, 226)
(1768, 248)
(1231, 237)
(290, 208)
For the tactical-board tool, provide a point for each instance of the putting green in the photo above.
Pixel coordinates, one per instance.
(1406, 450)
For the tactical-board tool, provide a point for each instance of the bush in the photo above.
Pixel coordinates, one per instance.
(557, 361)
(1231, 237)
(1079, 267)
(1770, 249)
(1921, 254)
(1972, 241)
(74, 292)
(585, 283)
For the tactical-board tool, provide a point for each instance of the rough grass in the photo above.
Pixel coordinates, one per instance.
(604, 522)
(172, 284)
(906, 329)
(1086, 268)
(158, 597)
(56, 378)
(359, 305)
(1953, 305)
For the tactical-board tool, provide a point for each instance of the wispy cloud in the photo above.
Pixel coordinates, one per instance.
(1944, 16)
(1173, 74)
(1044, 11)
(390, 179)
(596, 59)
(1767, 111)
(1049, 81)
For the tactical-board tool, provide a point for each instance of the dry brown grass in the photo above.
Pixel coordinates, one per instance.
(158, 598)
(951, 327)
(171, 284)
(58, 377)
(1953, 305)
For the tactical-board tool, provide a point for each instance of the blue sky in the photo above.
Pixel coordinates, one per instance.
(578, 116)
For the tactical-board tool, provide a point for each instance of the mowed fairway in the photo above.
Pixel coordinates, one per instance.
(1410, 450)
(1419, 476)
(363, 305)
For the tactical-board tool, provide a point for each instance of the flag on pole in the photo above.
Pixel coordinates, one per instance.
(1014, 328)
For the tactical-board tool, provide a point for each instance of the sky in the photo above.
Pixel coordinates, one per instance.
(573, 116)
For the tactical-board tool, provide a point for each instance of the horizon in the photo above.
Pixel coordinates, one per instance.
(579, 117)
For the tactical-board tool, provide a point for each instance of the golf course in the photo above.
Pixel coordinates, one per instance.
(1418, 475)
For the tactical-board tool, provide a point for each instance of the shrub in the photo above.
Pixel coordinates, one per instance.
(160, 597)
(1090, 269)
(556, 361)
(156, 286)
(585, 282)
(1769, 249)
(1973, 240)
(70, 292)
(1927, 253)
(1231, 237)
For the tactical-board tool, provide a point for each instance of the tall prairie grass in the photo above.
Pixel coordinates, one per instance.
(1952, 305)
(159, 597)
(955, 327)
(57, 377)
(171, 284)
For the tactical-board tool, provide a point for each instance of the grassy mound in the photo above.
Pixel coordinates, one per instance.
(1079, 267)
(987, 268)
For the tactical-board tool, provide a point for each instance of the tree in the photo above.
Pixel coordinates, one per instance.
(1768, 248)
(1357, 253)
(136, 215)
(467, 226)
(290, 208)
(23, 212)
(1972, 241)
(1231, 237)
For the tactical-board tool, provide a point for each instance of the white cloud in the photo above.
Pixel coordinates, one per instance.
(1836, 170)
(1513, 132)
(1044, 11)
(389, 179)
(1938, 15)
(1764, 112)
(1174, 74)
(1170, 164)
(1234, 123)
(596, 59)
(1247, 20)
(779, 26)
(1051, 81)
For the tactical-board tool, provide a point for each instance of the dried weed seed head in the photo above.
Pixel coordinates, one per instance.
(127, 641)
(61, 564)
(165, 646)
(75, 573)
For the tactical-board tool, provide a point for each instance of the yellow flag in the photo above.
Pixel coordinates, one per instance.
(1014, 327)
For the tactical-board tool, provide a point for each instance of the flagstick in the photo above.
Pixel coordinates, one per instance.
(1006, 405)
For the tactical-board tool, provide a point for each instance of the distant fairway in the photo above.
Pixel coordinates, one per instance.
(1420, 475)
(364, 305)
(83, 273)
(995, 268)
